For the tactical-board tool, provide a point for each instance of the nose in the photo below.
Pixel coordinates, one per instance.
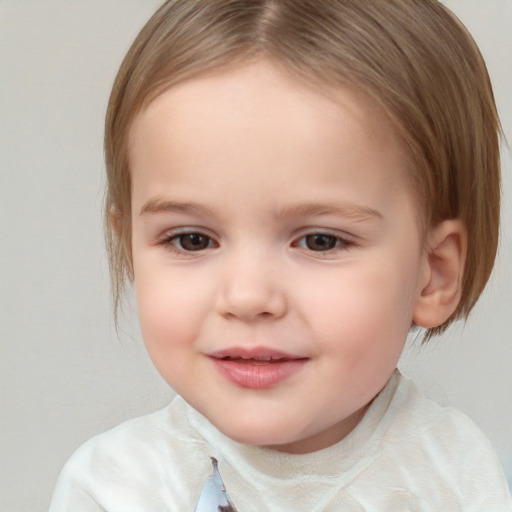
(252, 290)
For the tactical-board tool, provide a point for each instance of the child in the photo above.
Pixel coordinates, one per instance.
(292, 186)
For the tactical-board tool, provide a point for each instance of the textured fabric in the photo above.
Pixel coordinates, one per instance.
(407, 454)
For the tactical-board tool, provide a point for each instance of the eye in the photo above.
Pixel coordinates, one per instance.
(320, 242)
(191, 242)
(323, 243)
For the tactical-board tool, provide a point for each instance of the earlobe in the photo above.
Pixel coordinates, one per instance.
(440, 293)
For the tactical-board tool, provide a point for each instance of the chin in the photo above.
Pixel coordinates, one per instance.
(256, 434)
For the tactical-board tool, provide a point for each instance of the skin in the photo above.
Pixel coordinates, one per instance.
(257, 164)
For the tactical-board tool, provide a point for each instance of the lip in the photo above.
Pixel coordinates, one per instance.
(256, 367)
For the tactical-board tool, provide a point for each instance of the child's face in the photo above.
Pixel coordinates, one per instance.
(272, 222)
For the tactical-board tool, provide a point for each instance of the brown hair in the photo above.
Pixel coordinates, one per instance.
(412, 56)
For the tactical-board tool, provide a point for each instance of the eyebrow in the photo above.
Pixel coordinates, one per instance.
(350, 211)
(163, 206)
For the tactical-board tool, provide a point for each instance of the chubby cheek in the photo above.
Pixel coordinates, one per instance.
(169, 314)
(365, 322)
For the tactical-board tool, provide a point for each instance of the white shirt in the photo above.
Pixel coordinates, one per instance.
(407, 454)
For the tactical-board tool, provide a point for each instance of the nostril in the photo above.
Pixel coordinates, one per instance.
(251, 303)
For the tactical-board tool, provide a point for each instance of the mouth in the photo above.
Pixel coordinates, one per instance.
(259, 354)
(256, 368)
(255, 362)
(258, 360)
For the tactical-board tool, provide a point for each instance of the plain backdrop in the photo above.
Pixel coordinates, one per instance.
(64, 373)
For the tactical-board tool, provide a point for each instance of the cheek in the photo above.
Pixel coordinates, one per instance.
(170, 319)
(364, 311)
(169, 309)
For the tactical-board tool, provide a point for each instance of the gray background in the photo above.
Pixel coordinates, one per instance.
(64, 374)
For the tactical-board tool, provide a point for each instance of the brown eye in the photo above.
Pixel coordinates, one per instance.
(320, 242)
(193, 242)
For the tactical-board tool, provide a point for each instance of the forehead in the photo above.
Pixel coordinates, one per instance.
(253, 90)
(259, 119)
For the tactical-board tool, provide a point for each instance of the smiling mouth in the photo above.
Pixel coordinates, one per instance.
(257, 368)
(260, 353)
(257, 361)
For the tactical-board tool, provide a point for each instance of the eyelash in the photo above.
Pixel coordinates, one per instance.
(174, 242)
(171, 242)
(340, 243)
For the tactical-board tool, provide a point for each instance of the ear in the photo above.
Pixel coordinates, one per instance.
(441, 288)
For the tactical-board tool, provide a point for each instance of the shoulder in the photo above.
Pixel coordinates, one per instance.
(125, 442)
(443, 453)
(133, 463)
(436, 426)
